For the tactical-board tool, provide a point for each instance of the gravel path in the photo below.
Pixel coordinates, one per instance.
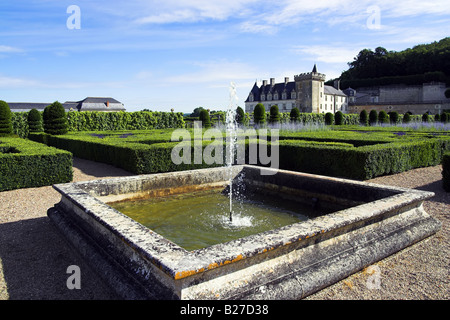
(34, 257)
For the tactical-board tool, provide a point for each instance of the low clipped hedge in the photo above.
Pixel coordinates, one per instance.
(446, 171)
(27, 164)
(361, 163)
(345, 154)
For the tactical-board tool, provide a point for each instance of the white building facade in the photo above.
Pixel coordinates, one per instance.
(307, 92)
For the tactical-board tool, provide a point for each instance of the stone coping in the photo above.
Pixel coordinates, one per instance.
(179, 263)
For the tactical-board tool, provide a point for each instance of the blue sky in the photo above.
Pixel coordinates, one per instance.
(184, 54)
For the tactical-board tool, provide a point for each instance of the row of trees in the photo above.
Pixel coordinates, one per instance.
(52, 121)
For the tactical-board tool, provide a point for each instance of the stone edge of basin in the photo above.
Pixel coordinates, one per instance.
(179, 263)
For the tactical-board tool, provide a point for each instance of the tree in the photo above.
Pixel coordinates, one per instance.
(295, 115)
(34, 121)
(364, 118)
(373, 117)
(339, 118)
(329, 118)
(240, 115)
(393, 117)
(196, 112)
(407, 118)
(425, 117)
(274, 114)
(55, 119)
(259, 114)
(383, 117)
(5, 118)
(205, 119)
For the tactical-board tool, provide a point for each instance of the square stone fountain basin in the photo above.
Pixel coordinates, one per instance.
(289, 262)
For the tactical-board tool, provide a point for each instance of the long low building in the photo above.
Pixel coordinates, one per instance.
(87, 104)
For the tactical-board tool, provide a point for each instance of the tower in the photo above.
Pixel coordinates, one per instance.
(310, 90)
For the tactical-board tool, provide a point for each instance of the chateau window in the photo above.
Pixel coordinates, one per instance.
(263, 97)
(275, 96)
(251, 98)
(293, 95)
(283, 96)
(326, 97)
(269, 96)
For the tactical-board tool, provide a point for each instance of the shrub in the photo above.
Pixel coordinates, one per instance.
(329, 118)
(295, 115)
(339, 118)
(425, 117)
(373, 117)
(259, 114)
(394, 117)
(383, 117)
(407, 118)
(446, 171)
(240, 115)
(274, 114)
(205, 119)
(364, 118)
(444, 117)
(447, 93)
(34, 121)
(5, 118)
(55, 119)
(27, 164)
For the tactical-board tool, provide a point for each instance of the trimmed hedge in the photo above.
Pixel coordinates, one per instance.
(446, 171)
(354, 155)
(27, 164)
(5, 118)
(107, 121)
(361, 163)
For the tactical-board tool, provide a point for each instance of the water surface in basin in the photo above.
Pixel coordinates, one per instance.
(200, 219)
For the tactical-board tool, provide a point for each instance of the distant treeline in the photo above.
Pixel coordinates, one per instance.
(422, 63)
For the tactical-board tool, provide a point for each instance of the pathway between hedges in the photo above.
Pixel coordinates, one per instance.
(34, 258)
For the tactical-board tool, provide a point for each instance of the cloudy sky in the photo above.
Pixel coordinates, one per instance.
(184, 54)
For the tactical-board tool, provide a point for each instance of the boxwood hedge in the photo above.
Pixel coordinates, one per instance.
(353, 155)
(25, 164)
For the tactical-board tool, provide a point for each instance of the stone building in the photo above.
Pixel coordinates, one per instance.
(87, 104)
(417, 99)
(307, 92)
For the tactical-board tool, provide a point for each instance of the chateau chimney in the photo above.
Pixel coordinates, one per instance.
(264, 82)
(286, 80)
(337, 84)
(272, 81)
(107, 104)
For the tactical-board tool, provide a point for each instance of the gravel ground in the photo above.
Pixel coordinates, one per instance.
(34, 257)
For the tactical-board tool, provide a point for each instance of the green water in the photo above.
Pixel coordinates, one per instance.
(201, 219)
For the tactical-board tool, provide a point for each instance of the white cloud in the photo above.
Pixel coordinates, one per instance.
(338, 53)
(215, 73)
(8, 49)
(172, 11)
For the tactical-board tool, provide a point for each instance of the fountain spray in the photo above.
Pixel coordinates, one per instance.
(231, 126)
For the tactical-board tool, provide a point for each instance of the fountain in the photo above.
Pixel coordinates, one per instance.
(363, 223)
(317, 230)
(231, 127)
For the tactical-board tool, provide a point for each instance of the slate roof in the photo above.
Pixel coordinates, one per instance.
(87, 104)
(276, 88)
(333, 90)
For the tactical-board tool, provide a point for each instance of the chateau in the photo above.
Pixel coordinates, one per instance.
(307, 92)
